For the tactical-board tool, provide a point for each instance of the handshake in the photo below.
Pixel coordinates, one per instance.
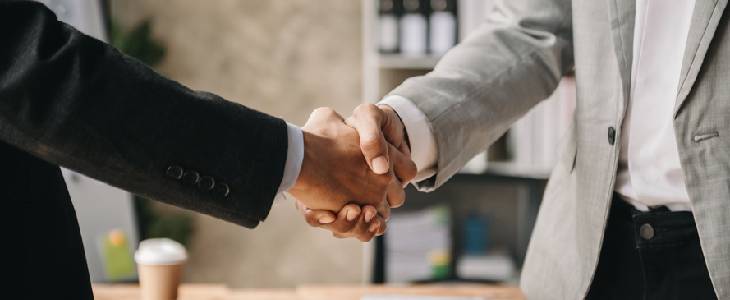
(353, 171)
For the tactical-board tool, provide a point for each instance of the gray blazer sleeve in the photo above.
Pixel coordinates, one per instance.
(483, 85)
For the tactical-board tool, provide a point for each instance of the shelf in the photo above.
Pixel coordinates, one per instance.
(517, 170)
(398, 61)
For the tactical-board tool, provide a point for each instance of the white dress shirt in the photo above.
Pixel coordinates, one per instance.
(294, 157)
(649, 172)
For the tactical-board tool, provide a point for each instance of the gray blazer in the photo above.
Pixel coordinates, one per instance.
(517, 58)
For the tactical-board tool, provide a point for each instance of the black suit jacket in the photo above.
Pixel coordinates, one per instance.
(69, 100)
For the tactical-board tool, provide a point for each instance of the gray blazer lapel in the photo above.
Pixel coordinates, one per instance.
(706, 16)
(622, 14)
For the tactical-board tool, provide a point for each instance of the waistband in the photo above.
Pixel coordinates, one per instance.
(656, 227)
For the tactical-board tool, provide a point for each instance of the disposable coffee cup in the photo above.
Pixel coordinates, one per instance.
(160, 263)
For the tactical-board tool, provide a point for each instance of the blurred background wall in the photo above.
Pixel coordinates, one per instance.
(283, 57)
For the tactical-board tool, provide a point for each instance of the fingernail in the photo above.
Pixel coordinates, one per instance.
(373, 227)
(380, 165)
(352, 214)
(369, 215)
(326, 219)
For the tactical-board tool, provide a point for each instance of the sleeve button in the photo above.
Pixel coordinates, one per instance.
(206, 183)
(222, 189)
(174, 172)
(191, 177)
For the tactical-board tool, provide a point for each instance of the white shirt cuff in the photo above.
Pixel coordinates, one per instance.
(424, 151)
(294, 157)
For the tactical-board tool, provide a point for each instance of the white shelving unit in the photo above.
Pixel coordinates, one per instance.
(397, 61)
(377, 66)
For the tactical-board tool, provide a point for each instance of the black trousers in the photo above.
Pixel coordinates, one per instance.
(650, 255)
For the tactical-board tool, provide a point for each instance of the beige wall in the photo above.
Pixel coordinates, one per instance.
(284, 57)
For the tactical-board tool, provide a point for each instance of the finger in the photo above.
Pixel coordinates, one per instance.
(396, 194)
(393, 128)
(324, 114)
(377, 227)
(369, 212)
(318, 218)
(353, 212)
(383, 227)
(403, 167)
(368, 120)
(342, 224)
(405, 149)
(362, 231)
(383, 210)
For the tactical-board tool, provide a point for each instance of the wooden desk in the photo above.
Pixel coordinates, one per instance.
(318, 292)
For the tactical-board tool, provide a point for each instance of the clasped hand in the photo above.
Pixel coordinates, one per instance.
(353, 170)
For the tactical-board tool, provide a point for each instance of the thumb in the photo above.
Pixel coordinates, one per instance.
(368, 120)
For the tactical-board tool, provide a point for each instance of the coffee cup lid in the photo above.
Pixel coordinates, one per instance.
(160, 251)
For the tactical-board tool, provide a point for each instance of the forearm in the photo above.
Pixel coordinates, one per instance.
(77, 102)
(495, 76)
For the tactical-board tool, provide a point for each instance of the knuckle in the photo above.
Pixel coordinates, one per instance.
(365, 109)
(324, 111)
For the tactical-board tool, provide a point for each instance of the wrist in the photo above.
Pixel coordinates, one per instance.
(302, 182)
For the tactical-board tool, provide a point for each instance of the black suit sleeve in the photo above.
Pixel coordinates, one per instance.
(77, 102)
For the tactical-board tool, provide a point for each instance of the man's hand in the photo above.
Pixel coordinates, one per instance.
(383, 143)
(334, 172)
(352, 221)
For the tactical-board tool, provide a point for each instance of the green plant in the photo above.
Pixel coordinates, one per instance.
(178, 227)
(138, 42)
(153, 223)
